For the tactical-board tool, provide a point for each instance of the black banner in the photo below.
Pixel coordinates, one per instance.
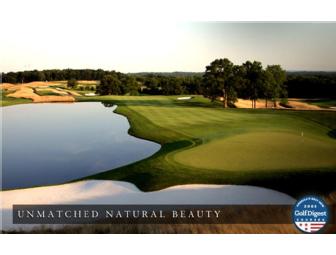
(154, 214)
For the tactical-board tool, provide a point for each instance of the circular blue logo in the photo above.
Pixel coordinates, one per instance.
(310, 214)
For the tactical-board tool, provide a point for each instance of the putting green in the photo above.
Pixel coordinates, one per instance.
(261, 151)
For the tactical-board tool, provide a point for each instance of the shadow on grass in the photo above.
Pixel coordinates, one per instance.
(332, 133)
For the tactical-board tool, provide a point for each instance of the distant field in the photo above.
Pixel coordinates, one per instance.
(36, 92)
(291, 151)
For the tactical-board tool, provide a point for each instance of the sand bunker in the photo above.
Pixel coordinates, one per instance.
(295, 104)
(26, 90)
(87, 82)
(48, 99)
(36, 84)
(299, 105)
(6, 85)
(245, 103)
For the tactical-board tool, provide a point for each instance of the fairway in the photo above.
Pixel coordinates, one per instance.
(204, 143)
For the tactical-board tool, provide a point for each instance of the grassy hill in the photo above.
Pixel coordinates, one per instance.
(291, 151)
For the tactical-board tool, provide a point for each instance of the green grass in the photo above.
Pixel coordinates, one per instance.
(46, 92)
(60, 86)
(291, 151)
(324, 103)
(7, 101)
(83, 92)
(254, 151)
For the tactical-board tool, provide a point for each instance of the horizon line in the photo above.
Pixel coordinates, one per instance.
(111, 70)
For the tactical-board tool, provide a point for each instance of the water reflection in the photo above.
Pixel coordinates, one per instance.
(54, 143)
(107, 104)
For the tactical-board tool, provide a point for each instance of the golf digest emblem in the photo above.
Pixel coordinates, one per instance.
(310, 214)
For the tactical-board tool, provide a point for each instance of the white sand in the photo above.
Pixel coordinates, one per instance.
(183, 98)
(114, 192)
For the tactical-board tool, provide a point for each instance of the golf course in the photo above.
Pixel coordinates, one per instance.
(158, 127)
(286, 150)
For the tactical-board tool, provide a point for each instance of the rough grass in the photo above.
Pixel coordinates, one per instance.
(7, 101)
(186, 129)
(46, 92)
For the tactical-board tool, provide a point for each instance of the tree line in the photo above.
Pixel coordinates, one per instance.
(56, 75)
(311, 84)
(228, 81)
(167, 84)
(221, 79)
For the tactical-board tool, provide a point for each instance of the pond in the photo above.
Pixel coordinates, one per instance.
(45, 144)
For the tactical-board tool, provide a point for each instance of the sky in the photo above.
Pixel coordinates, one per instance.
(94, 34)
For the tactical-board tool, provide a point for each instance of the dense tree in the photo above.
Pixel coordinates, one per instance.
(109, 85)
(218, 81)
(298, 84)
(10, 77)
(151, 83)
(72, 83)
(156, 84)
(276, 78)
(98, 75)
(129, 85)
(311, 84)
(55, 75)
(255, 80)
(192, 85)
(269, 89)
(171, 86)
